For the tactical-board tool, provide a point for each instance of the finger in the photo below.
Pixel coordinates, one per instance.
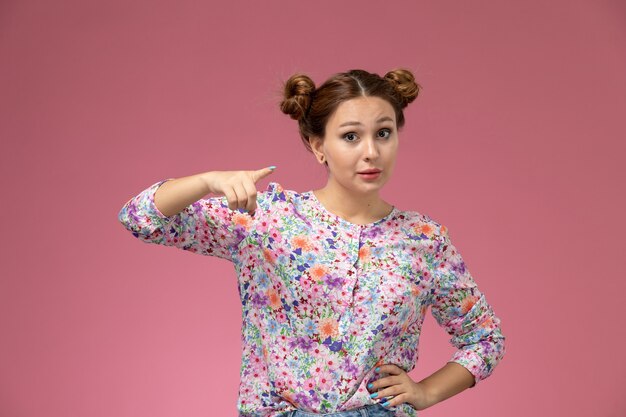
(386, 382)
(231, 197)
(251, 192)
(389, 391)
(397, 400)
(390, 369)
(261, 173)
(242, 196)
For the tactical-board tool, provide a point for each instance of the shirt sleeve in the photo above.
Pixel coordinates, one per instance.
(207, 227)
(463, 311)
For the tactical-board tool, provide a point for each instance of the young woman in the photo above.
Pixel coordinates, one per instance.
(334, 282)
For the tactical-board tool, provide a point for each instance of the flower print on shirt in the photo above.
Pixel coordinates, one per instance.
(207, 226)
(462, 310)
(325, 301)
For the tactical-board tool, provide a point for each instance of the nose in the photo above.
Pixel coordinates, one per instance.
(371, 149)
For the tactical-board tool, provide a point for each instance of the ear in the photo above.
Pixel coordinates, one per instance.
(317, 144)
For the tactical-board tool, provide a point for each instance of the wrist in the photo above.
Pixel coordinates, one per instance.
(430, 396)
(208, 179)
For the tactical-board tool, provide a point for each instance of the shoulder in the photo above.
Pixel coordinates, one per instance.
(276, 190)
(275, 194)
(421, 225)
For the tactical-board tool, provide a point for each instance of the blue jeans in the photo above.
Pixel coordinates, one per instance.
(372, 410)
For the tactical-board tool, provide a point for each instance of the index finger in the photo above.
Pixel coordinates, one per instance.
(262, 173)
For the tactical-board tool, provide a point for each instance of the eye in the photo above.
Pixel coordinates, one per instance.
(350, 136)
(384, 133)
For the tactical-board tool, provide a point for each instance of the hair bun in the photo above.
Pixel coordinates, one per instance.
(404, 83)
(297, 96)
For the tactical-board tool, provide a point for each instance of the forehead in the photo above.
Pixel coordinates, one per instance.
(362, 109)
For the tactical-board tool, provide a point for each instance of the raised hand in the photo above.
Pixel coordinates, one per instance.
(238, 186)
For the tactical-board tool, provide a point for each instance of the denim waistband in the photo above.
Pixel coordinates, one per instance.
(370, 410)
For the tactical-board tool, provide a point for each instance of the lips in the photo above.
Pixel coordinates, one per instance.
(370, 171)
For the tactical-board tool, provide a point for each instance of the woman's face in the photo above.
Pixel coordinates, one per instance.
(361, 135)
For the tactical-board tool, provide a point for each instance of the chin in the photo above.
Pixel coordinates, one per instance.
(372, 186)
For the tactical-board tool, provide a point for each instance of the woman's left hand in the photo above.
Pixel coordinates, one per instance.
(399, 385)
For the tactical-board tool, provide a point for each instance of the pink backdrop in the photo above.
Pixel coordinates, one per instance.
(516, 144)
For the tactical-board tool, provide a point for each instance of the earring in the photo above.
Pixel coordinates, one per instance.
(322, 159)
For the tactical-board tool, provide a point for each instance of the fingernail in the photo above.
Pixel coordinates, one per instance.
(374, 395)
(272, 167)
(386, 403)
(370, 385)
(377, 369)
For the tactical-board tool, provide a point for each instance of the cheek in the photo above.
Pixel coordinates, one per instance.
(343, 160)
(392, 151)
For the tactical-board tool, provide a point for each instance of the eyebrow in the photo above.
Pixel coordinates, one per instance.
(382, 119)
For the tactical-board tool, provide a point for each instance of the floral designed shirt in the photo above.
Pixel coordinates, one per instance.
(324, 300)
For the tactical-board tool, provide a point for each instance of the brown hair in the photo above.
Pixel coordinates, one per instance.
(313, 107)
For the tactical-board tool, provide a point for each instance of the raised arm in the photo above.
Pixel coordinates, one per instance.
(174, 195)
(173, 213)
(238, 187)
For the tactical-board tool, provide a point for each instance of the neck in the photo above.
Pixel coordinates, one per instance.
(353, 206)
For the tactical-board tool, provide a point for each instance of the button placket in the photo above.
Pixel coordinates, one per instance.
(345, 310)
(355, 248)
(351, 250)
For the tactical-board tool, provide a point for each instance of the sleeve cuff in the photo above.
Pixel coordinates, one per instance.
(150, 196)
(472, 362)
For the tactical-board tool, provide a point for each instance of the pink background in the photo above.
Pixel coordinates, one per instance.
(516, 144)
